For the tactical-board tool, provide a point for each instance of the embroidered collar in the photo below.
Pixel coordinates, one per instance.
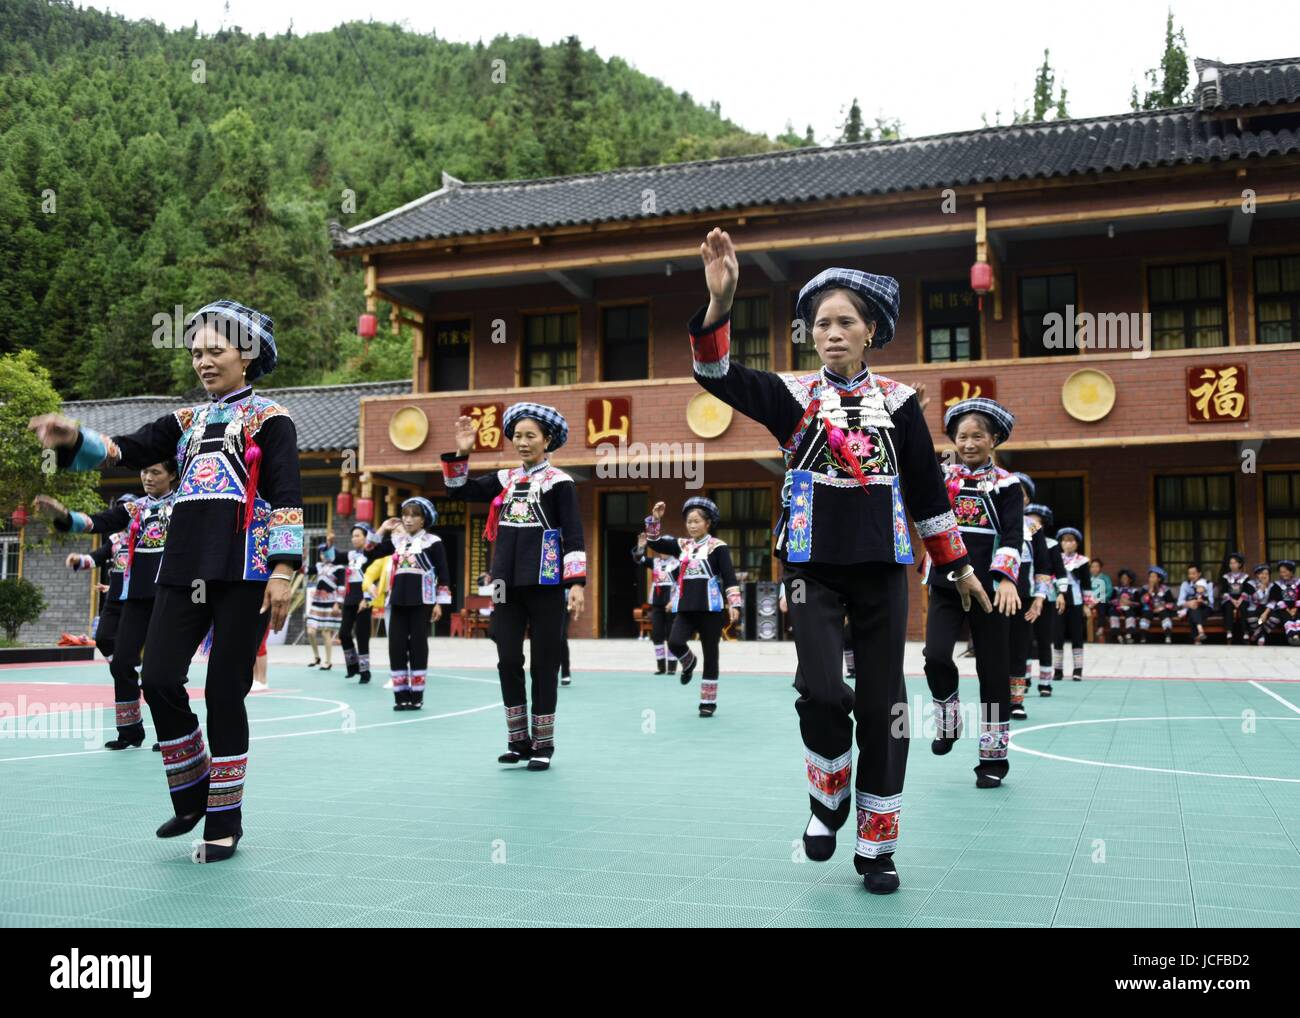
(847, 384)
(980, 472)
(233, 397)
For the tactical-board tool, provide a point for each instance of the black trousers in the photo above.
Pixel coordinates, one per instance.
(540, 610)
(204, 775)
(564, 646)
(990, 632)
(874, 596)
(355, 619)
(709, 625)
(408, 649)
(661, 622)
(1020, 637)
(1196, 618)
(1236, 619)
(110, 616)
(132, 630)
(1040, 644)
(1068, 627)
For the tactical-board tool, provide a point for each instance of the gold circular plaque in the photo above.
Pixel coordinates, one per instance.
(408, 428)
(1088, 395)
(707, 416)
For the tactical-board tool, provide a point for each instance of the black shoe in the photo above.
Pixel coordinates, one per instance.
(818, 847)
(942, 746)
(1058, 675)
(1044, 690)
(1077, 677)
(157, 748)
(539, 762)
(687, 672)
(315, 663)
(987, 781)
(1018, 713)
(660, 669)
(365, 677)
(121, 743)
(179, 825)
(326, 668)
(401, 706)
(516, 755)
(204, 852)
(566, 680)
(352, 670)
(879, 876)
(707, 710)
(672, 667)
(852, 674)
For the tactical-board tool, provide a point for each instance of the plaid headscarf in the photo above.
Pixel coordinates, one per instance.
(1002, 419)
(552, 422)
(426, 507)
(1072, 532)
(1041, 511)
(1159, 572)
(704, 505)
(254, 333)
(881, 292)
(1026, 482)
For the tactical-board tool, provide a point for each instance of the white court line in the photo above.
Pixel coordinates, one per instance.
(293, 735)
(1134, 767)
(1279, 699)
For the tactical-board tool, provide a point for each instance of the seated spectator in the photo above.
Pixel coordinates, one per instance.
(1195, 596)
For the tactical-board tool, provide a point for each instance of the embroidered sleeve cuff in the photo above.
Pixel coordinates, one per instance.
(443, 596)
(946, 548)
(284, 535)
(1042, 585)
(734, 600)
(575, 566)
(1063, 585)
(455, 469)
(92, 450)
(711, 349)
(1007, 562)
(936, 525)
(84, 562)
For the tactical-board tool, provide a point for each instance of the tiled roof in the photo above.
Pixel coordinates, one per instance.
(326, 416)
(1127, 141)
(1241, 86)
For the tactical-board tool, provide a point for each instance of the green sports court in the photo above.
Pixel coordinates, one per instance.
(1133, 800)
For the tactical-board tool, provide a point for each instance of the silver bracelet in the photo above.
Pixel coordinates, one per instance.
(954, 578)
(280, 576)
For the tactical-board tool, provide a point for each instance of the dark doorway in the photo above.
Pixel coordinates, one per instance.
(451, 528)
(622, 584)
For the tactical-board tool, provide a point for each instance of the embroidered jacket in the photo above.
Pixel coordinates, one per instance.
(539, 529)
(1035, 580)
(989, 506)
(419, 574)
(705, 577)
(110, 556)
(143, 525)
(1076, 584)
(1236, 587)
(237, 512)
(325, 591)
(663, 574)
(1158, 601)
(359, 560)
(1284, 594)
(844, 502)
(1122, 607)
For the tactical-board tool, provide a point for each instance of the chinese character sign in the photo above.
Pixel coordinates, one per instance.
(487, 421)
(608, 420)
(954, 390)
(1217, 393)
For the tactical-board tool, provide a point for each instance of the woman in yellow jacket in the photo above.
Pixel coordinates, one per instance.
(374, 590)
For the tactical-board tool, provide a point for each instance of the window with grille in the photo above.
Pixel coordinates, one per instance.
(1041, 296)
(1277, 299)
(550, 349)
(747, 529)
(950, 322)
(1189, 307)
(1195, 522)
(625, 343)
(751, 332)
(1282, 515)
(449, 358)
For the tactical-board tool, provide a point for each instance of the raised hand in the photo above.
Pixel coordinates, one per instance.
(51, 506)
(721, 272)
(53, 430)
(466, 430)
(659, 509)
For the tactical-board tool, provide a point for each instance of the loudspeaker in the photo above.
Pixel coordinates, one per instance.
(767, 611)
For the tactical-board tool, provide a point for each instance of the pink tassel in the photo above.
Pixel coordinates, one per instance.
(132, 534)
(494, 512)
(839, 446)
(253, 462)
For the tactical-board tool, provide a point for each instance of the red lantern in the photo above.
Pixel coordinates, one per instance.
(365, 510)
(343, 504)
(20, 516)
(981, 280)
(367, 325)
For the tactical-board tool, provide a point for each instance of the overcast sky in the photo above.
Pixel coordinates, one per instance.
(936, 66)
